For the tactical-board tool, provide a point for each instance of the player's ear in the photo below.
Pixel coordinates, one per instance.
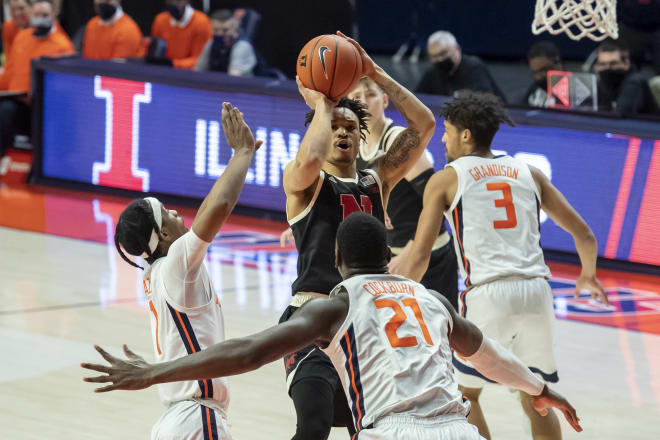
(386, 100)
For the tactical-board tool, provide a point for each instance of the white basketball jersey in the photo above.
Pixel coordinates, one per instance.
(178, 331)
(494, 218)
(392, 352)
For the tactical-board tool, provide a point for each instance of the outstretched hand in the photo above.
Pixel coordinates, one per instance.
(238, 134)
(368, 65)
(550, 399)
(129, 374)
(594, 287)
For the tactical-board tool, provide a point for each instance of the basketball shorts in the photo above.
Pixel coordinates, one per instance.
(189, 420)
(308, 363)
(435, 428)
(518, 313)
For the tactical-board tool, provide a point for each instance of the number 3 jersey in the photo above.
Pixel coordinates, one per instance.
(392, 352)
(494, 219)
(315, 228)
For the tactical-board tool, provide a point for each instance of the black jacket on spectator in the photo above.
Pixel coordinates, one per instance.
(471, 74)
(633, 97)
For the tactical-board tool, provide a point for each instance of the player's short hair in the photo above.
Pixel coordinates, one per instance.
(222, 15)
(133, 232)
(356, 107)
(443, 37)
(480, 112)
(362, 241)
(544, 48)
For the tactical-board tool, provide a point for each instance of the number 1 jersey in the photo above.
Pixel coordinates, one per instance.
(494, 219)
(392, 351)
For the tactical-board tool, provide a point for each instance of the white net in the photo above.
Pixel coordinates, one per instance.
(595, 19)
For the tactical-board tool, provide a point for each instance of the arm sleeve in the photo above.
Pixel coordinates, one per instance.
(202, 64)
(200, 37)
(182, 265)
(499, 364)
(242, 59)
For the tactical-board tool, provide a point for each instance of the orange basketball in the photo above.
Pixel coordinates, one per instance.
(330, 65)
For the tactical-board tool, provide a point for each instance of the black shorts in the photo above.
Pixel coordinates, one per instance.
(442, 274)
(316, 365)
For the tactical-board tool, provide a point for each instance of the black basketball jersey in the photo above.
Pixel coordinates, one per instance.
(315, 228)
(405, 203)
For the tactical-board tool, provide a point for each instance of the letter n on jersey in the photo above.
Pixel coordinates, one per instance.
(350, 204)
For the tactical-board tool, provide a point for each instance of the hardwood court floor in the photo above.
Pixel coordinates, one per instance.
(63, 288)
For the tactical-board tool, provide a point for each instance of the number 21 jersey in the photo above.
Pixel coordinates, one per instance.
(494, 219)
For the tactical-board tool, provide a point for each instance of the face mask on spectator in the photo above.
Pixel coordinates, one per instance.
(175, 11)
(612, 78)
(444, 66)
(107, 11)
(41, 25)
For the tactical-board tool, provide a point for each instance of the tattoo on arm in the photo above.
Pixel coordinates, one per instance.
(400, 150)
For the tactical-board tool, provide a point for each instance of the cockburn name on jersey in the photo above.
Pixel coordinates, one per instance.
(376, 288)
(484, 171)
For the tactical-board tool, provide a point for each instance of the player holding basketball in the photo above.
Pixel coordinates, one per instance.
(185, 313)
(492, 204)
(323, 186)
(405, 201)
(390, 339)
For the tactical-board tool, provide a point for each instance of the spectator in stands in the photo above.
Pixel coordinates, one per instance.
(639, 30)
(541, 57)
(40, 39)
(452, 70)
(228, 51)
(620, 89)
(20, 19)
(112, 33)
(185, 30)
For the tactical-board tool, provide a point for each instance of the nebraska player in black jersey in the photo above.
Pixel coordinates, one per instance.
(323, 187)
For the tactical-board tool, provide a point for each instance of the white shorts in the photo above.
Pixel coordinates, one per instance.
(518, 313)
(189, 420)
(437, 428)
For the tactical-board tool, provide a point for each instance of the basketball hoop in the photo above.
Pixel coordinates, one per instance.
(594, 19)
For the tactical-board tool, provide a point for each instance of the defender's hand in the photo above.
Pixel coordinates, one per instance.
(130, 374)
(593, 286)
(238, 134)
(550, 399)
(368, 65)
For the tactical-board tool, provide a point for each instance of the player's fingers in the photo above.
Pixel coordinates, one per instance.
(107, 356)
(97, 379)
(572, 420)
(258, 144)
(107, 388)
(129, 353)
(96, 367)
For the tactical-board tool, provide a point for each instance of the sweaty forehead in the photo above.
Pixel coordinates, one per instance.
(344, 114)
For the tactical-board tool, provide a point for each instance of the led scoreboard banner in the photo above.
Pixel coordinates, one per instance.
(107, 125)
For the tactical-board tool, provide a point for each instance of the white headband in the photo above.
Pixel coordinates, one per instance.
(158, 216)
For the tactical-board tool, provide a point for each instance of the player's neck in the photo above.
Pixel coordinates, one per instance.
(351, 272)
(347, 171)
(483, 153)
(375, 133)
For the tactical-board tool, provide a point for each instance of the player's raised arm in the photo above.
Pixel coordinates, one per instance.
(436, 200)
(315, 322)
(561, 212)
(409, 145)
(499, 364)
(222, 198)
(302, 172)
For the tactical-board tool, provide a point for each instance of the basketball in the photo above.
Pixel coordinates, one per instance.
(329, 64)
